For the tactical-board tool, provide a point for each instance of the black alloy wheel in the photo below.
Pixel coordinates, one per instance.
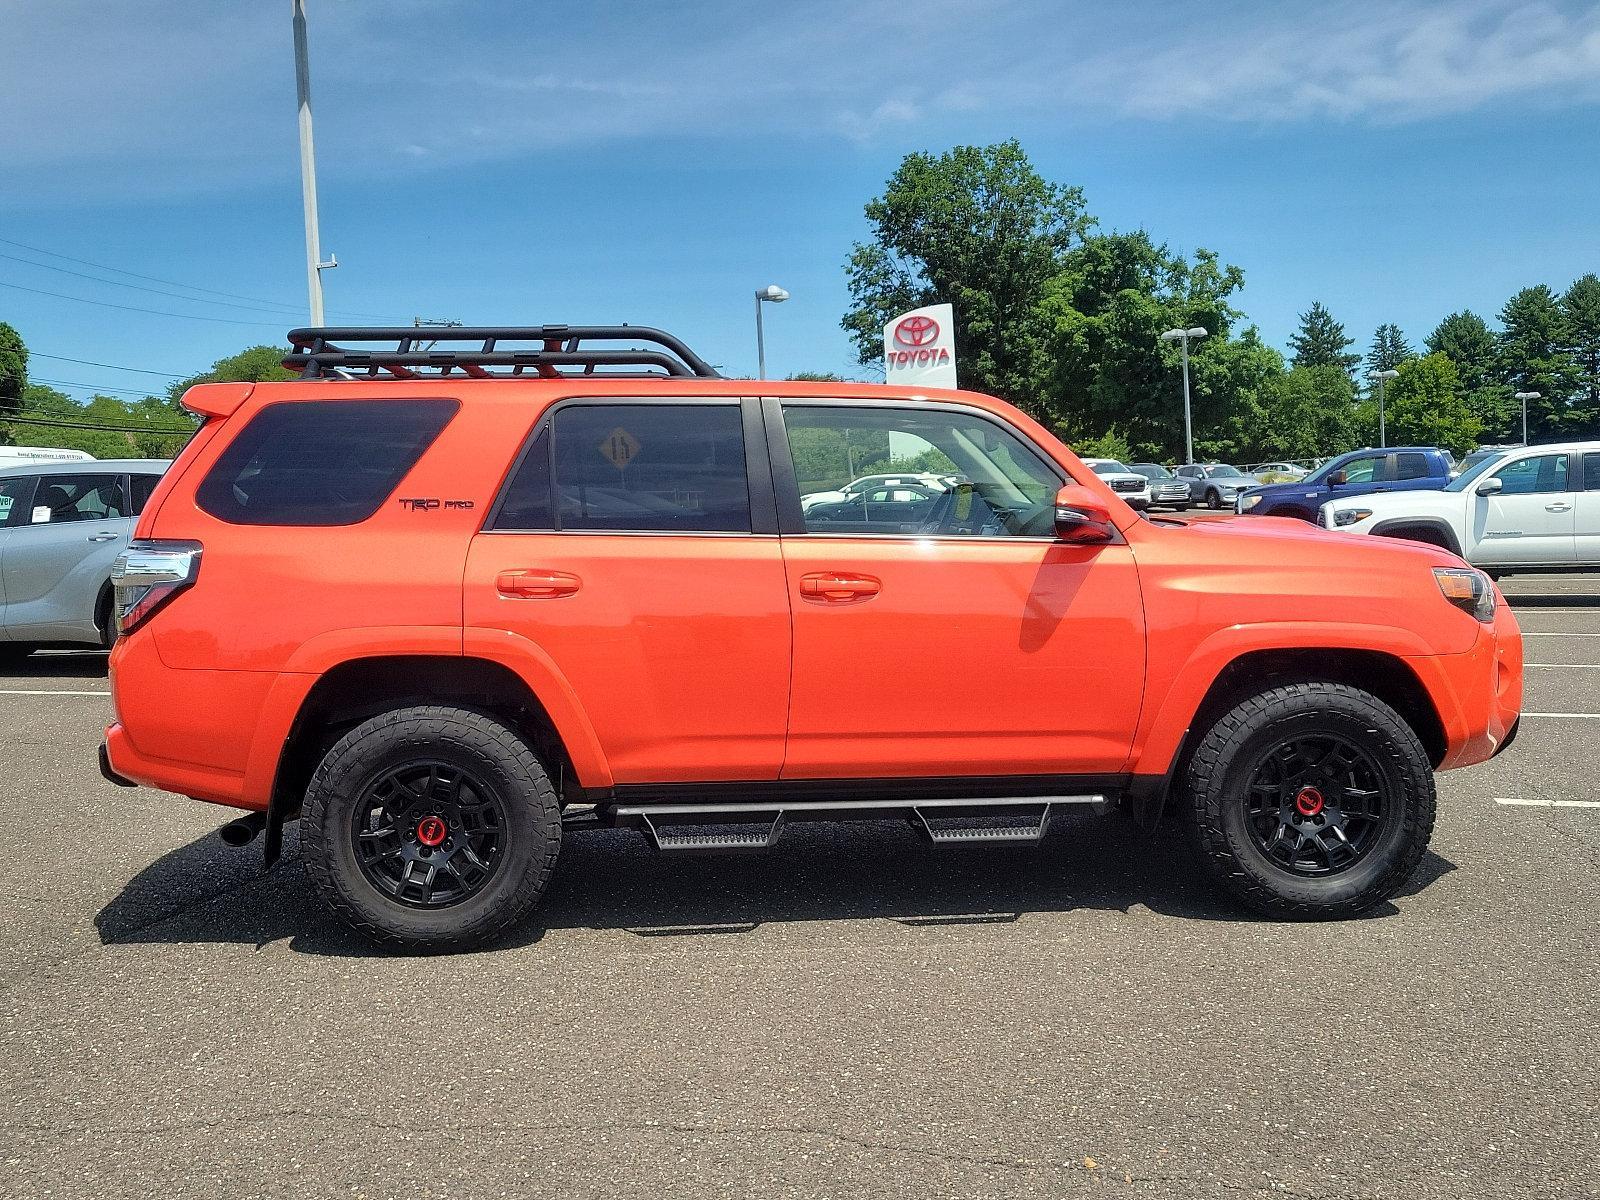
(429, 834)
(1315, 805)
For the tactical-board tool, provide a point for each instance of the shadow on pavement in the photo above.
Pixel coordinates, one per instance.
(1552, 600)
(68, 665)
(608, 879)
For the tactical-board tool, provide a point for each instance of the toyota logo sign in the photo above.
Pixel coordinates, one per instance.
(916, 331)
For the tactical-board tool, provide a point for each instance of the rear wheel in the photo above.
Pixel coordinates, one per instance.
(1311, 801)
(431, 827)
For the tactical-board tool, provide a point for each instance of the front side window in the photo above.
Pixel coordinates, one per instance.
(1534, 475)
(64, 498)
(662, 468)
(14, 493)
(992, 484)
(320, 462)
(1364, 470)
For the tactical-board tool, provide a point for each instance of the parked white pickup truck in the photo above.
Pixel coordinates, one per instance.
(1534, 508)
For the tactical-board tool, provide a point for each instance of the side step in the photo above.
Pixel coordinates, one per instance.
(1013, 820)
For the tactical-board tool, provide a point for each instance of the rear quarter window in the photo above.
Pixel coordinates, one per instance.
(320, 462)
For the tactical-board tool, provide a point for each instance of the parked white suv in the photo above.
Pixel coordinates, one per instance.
(1130, 485)
(1534, 508)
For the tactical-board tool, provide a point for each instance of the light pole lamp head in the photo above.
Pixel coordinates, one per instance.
(1386, 375)
(1528, 396)
(772, 294)
(1196, 332)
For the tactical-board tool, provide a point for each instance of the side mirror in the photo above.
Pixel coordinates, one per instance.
(1491, 487)
(1081, 516)
(1337, 479)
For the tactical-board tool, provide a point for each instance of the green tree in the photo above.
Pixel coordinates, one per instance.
(979, 228)
(1426, 407)
(1466, 340)
(1308, 411)
(1581, 306)
(1534, 358)
(1321, 341)
(817, 377)
(13, 372)
(1389, 349)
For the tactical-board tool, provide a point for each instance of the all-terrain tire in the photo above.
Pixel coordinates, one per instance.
(1221, 770)
(460, 740)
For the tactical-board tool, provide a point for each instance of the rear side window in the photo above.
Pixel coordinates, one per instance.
(320, 462)
(1411, 466)
(1591, 472)
(669, 468)
(141, 486)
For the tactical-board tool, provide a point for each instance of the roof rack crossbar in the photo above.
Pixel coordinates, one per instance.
(321, 352)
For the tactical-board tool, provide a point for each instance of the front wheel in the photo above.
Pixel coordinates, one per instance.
(1213, 499)
(1311, 801)
(430, 827)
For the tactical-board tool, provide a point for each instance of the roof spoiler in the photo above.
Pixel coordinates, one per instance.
(216, 399)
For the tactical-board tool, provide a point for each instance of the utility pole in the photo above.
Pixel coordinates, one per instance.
(308, 167)
(1525, 397)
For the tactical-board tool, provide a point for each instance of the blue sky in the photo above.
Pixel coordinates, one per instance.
(653, 163)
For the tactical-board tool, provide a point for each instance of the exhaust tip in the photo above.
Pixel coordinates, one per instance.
(243, 831)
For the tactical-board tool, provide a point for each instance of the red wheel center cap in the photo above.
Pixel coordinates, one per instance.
(1308, 803)
(431, 831)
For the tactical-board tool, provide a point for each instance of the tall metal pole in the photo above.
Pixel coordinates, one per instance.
(308, 164)
(1188, 424)
(761, 342)
(1383, 432)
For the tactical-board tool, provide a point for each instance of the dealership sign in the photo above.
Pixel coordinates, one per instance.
(919, 348)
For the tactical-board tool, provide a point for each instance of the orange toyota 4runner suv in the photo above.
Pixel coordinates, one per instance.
(436, 600)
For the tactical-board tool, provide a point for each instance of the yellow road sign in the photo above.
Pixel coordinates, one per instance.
(619, 447)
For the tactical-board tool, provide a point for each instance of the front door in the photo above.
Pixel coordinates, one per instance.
(635, 548)
(1530, 520)
(951, 638)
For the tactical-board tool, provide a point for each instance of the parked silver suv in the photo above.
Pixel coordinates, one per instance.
(62, 525)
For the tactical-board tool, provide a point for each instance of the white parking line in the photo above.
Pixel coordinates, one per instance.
(1547, 803)
(1526, 634)
(1584, 716)
(51, 692)
(1564, 666)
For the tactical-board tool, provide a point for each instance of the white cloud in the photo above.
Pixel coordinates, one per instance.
(184, 94)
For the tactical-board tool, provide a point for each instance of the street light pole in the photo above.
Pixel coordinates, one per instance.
(1525, 397)
(308, 166)
(771, 294)
(1381, 377)
(1182, 336)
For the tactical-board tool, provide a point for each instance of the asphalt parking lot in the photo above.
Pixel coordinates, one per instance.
(854, 1013)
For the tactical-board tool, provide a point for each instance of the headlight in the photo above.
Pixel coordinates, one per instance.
(1249, 502)
(1349, 516)
(1468, 590)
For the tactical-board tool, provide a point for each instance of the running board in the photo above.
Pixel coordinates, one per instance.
(751, 825)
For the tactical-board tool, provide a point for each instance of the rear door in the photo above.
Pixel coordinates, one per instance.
(972, 643)
(1530, 520)
(636, 546)
(58, 560)
(1586, 512)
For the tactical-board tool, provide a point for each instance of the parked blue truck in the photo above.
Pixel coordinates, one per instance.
(1358, 473)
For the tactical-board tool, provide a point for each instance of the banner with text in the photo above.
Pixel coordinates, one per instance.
(919, 348)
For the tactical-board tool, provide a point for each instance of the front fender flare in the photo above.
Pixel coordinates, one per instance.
(1168, 718)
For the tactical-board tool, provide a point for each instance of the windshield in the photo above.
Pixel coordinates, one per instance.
(1470, 476)
(1224, 471)
(1110, 468)
(1151, 471)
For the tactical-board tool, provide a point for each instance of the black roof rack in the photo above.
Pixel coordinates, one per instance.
(557, 351)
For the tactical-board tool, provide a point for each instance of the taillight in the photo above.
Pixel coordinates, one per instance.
(148, 574)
